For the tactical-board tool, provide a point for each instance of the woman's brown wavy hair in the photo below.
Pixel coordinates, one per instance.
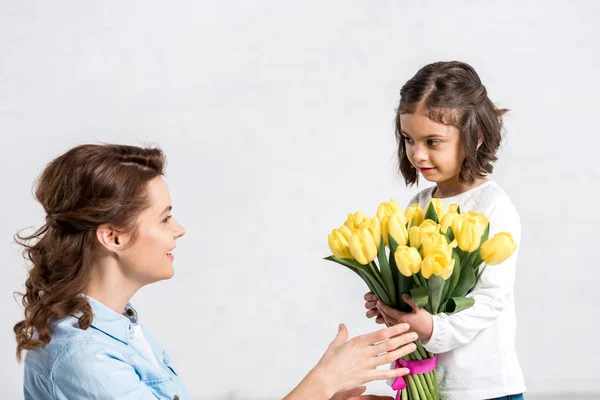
(86, 187)
(451, 93)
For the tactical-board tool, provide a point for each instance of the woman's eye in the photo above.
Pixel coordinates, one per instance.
(408, 140)
(167, 219)
(434, 143)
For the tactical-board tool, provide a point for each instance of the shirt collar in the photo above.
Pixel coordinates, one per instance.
(113, 324)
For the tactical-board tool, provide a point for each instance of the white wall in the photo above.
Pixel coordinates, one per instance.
(277, 119)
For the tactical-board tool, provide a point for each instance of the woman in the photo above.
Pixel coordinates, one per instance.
(109, 231)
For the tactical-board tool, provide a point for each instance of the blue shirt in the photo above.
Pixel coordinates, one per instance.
(99, 363)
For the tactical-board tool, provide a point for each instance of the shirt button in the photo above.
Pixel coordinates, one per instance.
(129, 312)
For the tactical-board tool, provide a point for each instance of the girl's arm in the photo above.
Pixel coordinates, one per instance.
(492, 292)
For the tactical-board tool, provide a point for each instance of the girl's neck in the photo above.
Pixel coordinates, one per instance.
(454, 187)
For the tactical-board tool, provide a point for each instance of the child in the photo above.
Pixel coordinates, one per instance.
(449, 131)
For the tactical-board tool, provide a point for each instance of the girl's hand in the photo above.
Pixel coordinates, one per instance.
(348, 364)
(419, 318)
(371, 306)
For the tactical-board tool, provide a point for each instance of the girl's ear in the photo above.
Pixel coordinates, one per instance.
(479, 141)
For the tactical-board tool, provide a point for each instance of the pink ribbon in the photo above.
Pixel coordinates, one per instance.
(415, 367)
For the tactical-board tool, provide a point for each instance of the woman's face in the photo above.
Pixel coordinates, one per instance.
(150, 258)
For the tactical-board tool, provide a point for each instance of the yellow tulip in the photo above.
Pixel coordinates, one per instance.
(439, 207)
(429, 226)
(388, 208)
(408, 260)
(453, 208)
(354, 220)
(446, 222)
(497, 249)
(431, 241)
(438, 262)
(468, 229)
(414, 215)
(395, 225)
(374, 226)
(338, 242)
(414, 237)
(362, 246)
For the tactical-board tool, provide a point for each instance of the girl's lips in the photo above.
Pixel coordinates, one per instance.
(425, 170)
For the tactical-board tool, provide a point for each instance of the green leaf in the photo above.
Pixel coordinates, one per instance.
(452, 281)
(456, 304)
(436, 287)
(393, 243)
(378, 285)
(476, 260)
(395, 277)
(486, 235)
(432, 214)
(386, 273)
(403, 285)
(466, 280)
(420, 296)
(353, 266)
(450, 235)
(365, 274)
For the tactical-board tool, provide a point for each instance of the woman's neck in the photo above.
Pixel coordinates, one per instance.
(454, 187)
(110, 287)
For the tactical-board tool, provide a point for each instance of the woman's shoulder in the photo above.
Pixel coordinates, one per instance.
(70, 348)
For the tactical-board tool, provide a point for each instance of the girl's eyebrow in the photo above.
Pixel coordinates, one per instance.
(432, 136)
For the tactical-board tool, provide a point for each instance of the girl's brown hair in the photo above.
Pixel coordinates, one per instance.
(451, 93)
(86, 187)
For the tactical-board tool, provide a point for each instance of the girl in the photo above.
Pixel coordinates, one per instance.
(109, 231)
(449, 131)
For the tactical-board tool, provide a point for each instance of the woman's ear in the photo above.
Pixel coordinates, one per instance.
(110, 238)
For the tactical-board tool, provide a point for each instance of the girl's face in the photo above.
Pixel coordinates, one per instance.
(150, 258)
(434, 149)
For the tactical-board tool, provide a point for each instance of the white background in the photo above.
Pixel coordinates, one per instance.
(277, 120)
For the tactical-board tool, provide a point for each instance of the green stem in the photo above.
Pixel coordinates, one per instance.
(419, 385)
(422, 352)
(420, 378)
(412, 386)
(373, 267)
(416, 279)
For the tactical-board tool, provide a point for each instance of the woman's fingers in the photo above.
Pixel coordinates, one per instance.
(393, 343)
(388, 374)
(396, 354)
(382, 334)
(372, 313)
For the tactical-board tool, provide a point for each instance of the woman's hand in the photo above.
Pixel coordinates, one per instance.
(348, 364)
(355, 394)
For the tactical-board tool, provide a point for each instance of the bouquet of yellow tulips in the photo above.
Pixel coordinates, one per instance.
(435, 256)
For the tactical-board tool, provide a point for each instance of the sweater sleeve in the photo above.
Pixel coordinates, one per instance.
(491, 293)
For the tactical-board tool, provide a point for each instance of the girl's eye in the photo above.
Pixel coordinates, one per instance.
(433, 143)
(166, 220)
(408, 140)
